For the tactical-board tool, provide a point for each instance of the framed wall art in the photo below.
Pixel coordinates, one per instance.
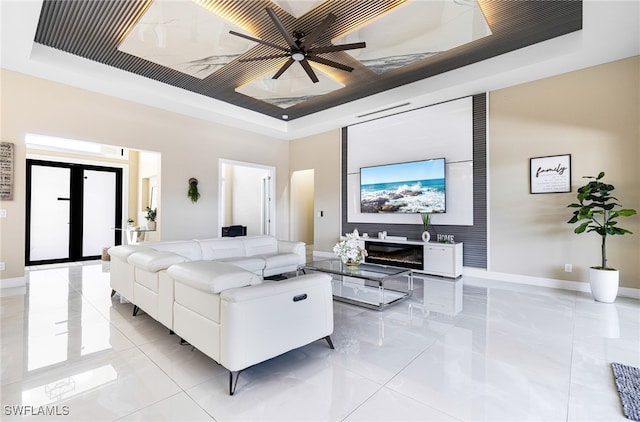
(6, 171)
(550, 174)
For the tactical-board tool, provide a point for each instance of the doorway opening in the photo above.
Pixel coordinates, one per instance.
(302, 207)
(246, 195)
(98, 189)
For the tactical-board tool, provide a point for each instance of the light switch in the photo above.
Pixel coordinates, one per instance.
(3, 213)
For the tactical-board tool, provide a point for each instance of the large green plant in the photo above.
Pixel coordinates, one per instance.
(595, 211)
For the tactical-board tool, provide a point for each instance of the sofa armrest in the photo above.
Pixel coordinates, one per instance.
(299, 248)
(260, 322)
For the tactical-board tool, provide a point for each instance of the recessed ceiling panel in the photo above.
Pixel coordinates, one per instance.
(297, 8)
(396, 33)
(292, 88)
(184, 36)
(423, 28)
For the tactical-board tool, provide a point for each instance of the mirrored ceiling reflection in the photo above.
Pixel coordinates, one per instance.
(185, 37)
(427, 28)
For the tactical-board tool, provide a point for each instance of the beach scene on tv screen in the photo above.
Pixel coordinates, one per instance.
(413, 187)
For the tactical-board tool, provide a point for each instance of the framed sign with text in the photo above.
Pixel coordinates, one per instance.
(6, 171)
(550, 174)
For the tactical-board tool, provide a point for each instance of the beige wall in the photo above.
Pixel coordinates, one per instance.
(591, 114)
(189, 148)
(322, 154)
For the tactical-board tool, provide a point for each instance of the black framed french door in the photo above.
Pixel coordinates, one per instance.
(71, 211)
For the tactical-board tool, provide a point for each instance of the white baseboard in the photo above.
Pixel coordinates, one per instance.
(6, 283)
(577, 286)
(544, 282)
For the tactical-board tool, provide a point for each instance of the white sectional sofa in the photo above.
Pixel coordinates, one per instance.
(138, 271)
(212, 293)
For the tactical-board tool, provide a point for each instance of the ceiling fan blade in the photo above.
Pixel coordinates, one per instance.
(308, 41)
(258, 40)
(281, 28)
(283, 68)
(269, 57)
(307, 68)
(330, 63)
(340, 47)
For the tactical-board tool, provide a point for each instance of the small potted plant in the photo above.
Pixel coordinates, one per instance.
(596, 212)
(151, 218)
(426, 220)
(130, 222)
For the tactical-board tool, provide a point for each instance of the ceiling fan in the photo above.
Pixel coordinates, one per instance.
(300, 47)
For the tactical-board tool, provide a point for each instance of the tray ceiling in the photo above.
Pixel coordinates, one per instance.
(187, 44)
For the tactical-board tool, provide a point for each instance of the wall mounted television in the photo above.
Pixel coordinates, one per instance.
(410, 187)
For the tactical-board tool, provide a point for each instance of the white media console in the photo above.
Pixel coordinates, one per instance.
(442, 259)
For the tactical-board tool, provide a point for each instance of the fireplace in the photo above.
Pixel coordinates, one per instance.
(395, 254)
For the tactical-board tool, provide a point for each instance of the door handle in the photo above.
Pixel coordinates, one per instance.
(64, 199)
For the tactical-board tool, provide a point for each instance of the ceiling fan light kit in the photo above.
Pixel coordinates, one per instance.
(300, 47)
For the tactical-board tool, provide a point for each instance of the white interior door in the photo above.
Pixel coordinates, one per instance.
(99, 211)
(50, 212)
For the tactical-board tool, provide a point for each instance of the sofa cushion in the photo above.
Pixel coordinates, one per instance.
(221, 248)
(212, 276)
(190, 249)
(260, 245)
(249, 263)
(198, 302)
(280, 260)
(153, 261)
(124, 251)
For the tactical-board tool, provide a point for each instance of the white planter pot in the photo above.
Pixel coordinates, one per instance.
(151, 225)
(604, 284)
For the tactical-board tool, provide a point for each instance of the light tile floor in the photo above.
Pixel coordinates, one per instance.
(465, 350)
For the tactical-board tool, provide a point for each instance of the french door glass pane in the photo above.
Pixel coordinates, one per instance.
(49, 213)
(99, 211)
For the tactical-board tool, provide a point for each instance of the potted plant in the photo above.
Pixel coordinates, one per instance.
(151, 218)
(349, 250)
(596, 212)
(193, 193)
(130, 222)
(426, 219)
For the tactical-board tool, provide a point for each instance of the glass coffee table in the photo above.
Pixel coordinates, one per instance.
(369, 285)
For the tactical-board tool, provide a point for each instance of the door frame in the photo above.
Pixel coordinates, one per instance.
(76, 205)
(271, 170)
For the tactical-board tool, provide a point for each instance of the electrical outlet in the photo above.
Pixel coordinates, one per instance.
(1, 266)
(3, 213)
(568, 268)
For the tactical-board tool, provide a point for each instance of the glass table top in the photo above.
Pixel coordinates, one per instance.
(366, 271)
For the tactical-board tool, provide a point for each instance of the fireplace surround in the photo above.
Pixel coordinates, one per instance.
(434, 258)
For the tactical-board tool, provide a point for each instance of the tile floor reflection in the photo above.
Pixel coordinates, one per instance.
(466, 350)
